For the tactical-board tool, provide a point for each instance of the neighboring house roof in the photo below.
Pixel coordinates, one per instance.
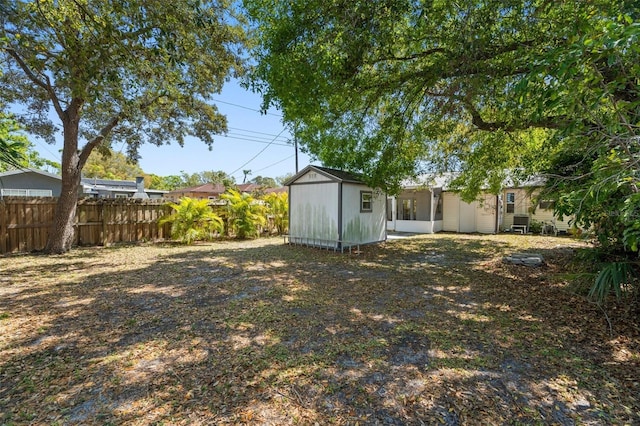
(334, 174)
(216, 188)
(95, 185)
(248, 187)
(276, 190)
(40, 172)
(111, 183)
(209, 188)
(90, 185)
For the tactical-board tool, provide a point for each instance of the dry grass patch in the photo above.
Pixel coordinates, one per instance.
(432, 329)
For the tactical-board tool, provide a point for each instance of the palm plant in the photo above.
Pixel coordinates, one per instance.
(278, 209)
(193, 220)
(246, 214)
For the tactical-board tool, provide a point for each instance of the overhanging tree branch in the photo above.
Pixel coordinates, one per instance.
(45, 84)
(102, 135)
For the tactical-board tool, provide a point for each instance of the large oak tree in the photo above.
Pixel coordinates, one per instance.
(492, 89)
(115, 71)
(393, 88)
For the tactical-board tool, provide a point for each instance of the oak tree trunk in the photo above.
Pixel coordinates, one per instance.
(62, 232)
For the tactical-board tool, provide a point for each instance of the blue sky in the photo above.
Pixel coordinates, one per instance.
(250, 133)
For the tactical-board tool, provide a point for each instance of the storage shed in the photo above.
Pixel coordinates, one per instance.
(334, 209)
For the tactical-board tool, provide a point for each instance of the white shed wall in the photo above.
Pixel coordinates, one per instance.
(314, 213)
(362, 227)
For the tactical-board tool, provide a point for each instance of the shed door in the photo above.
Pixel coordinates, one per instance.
(467, 217)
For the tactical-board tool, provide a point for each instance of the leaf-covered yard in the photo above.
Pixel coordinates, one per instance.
(432, 329)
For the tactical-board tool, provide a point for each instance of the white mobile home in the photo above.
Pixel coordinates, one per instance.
(334, 209)
(425, 206)
(521, 202)
(481, 215)
(430, 207)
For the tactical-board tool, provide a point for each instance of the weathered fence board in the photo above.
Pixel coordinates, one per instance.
(25, 222)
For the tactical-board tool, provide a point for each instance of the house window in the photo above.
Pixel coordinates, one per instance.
(407, 210)
(545, 204)
(511, 202)
(26, 192)
(366, 201)
(389, 209)
(121, 196)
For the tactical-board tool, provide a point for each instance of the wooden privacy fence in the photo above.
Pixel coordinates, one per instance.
(25, 222)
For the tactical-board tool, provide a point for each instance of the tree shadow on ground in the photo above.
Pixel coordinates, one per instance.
(425, 331)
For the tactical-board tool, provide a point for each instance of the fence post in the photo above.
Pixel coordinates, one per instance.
(3, 227)
(105, 231)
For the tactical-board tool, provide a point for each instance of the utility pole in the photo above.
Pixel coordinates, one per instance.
(295, 144)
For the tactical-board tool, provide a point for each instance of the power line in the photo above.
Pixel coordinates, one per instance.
(276, 163)
(258, 141)
(44, 145)
(255, 156)
(245, 107)
(252, 131)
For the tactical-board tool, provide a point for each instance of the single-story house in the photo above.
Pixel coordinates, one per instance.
(210, 191)
(426, 206)
(429, 206)
(520, 203)
(37, 183)
(29, 183)
(111, 188)
(334, 209)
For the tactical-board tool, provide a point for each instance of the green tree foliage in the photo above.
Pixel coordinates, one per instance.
(493, 89)
(246, 214)
(115, 71)
(16, 151)
(278, 210)
(111, 165)
(167, 183)
(185, 180)
(595, 173)
(193, 220)
(12, 144)
(265, 182)
(280, 180)
(397, 87)
(201, 178)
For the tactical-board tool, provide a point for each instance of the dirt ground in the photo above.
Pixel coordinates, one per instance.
(421, 330)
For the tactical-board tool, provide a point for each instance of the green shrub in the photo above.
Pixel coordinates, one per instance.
(278, 209)
(246, 214)
(193, 220)
(614, 277)
(535, 227)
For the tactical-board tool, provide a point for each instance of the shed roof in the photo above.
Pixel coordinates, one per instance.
(334, 174)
